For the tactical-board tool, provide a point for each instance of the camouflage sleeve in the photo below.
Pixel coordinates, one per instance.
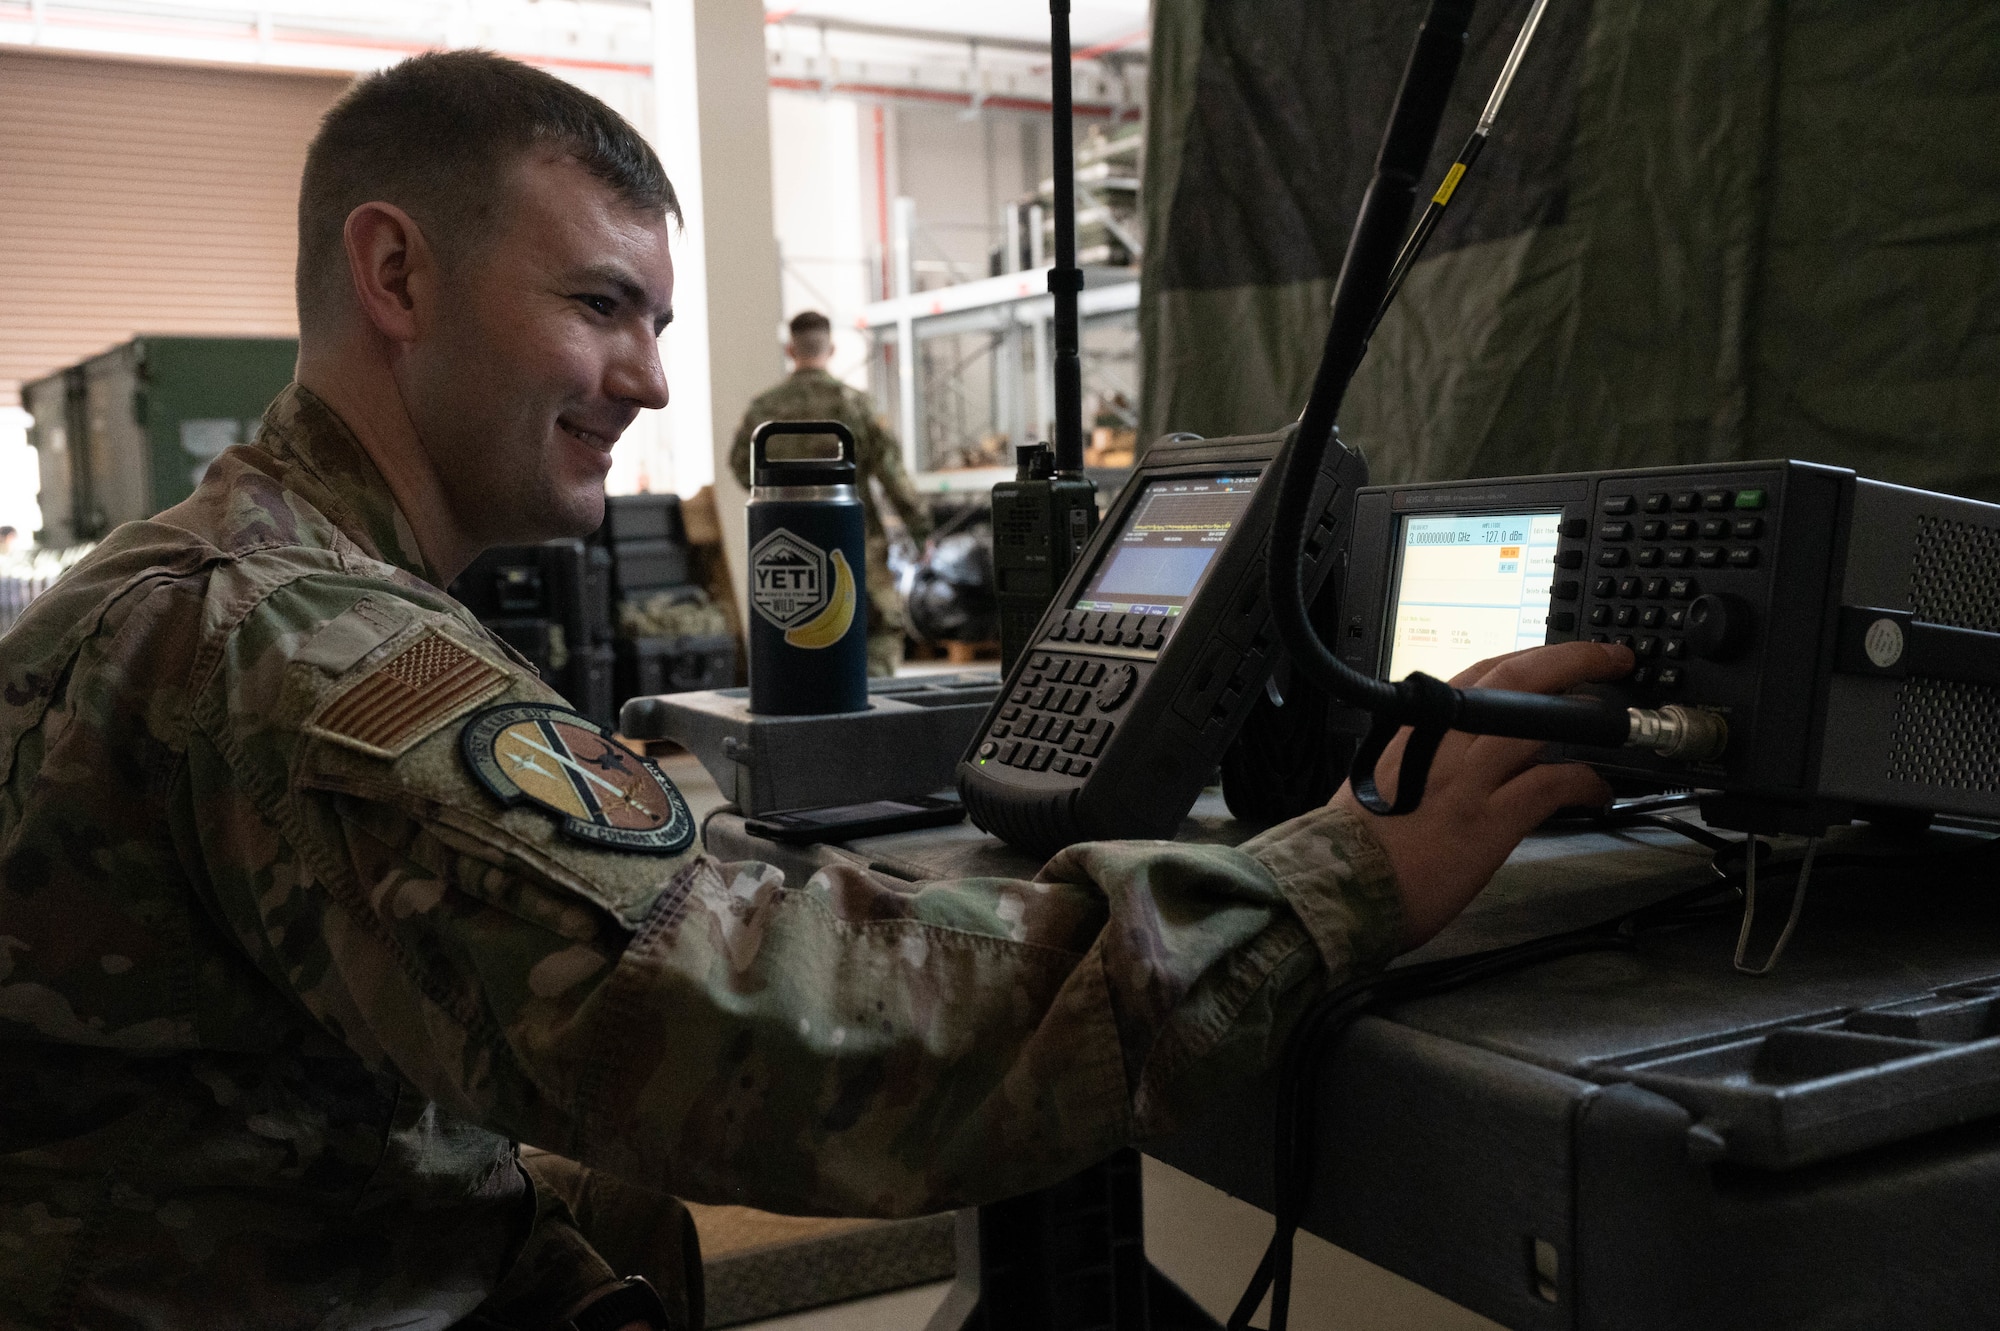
(840, 1046)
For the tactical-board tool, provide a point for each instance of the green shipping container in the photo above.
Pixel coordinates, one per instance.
(129, 432)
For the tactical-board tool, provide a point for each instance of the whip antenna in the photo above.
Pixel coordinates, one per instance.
(1414, 246)
(1065, 279)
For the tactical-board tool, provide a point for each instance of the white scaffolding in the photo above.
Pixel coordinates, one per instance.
(1010, 315)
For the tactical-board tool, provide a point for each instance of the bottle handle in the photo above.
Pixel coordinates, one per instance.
(770, 429)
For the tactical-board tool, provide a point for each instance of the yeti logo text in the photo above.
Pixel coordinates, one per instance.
(787, 579)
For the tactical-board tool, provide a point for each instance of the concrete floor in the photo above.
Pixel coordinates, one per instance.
(1207, 1242)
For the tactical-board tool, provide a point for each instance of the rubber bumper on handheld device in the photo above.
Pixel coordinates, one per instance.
(1041, 825)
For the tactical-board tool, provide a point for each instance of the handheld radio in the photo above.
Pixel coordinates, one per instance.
(1043, 517)
(1041, 521)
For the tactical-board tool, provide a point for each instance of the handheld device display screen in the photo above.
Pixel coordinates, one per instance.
(1469, 586)
(1159, 561)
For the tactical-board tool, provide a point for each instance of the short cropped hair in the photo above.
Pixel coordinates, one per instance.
(436, 135)
(812, 333)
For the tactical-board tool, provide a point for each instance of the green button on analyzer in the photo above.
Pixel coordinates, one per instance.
(1749, 499)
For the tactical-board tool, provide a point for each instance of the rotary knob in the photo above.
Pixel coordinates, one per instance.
(1718, 626)
(1115, 686)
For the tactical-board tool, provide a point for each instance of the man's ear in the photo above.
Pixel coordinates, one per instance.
(392, 268)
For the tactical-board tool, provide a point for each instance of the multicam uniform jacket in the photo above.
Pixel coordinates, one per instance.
(282, 980)
(815, 395)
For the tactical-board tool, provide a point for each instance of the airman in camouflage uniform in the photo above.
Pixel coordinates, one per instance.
(275, 1009)
(812, 394)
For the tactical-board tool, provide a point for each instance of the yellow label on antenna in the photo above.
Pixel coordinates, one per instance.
(1451, 179)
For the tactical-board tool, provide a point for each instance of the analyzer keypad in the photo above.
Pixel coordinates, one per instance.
(1059, 716)
(1653, 551)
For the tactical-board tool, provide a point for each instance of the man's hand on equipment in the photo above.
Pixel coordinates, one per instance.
(1485, 793)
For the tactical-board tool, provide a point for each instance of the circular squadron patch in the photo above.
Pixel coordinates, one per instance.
(600, 791)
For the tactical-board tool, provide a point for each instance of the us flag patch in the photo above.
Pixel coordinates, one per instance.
(429, 682)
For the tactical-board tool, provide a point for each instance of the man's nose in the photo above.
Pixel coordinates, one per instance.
(638, 376)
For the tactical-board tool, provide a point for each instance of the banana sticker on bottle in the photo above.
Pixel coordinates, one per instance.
(830, 625)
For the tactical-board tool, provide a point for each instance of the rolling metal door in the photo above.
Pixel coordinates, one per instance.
(140, 198)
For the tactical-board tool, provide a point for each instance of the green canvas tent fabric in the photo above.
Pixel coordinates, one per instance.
(1704, 229)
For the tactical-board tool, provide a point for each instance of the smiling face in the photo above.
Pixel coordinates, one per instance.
(544, 347)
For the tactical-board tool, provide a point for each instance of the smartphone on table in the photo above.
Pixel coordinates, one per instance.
(851, 822)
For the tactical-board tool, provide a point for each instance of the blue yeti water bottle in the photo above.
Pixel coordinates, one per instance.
(808, 578)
